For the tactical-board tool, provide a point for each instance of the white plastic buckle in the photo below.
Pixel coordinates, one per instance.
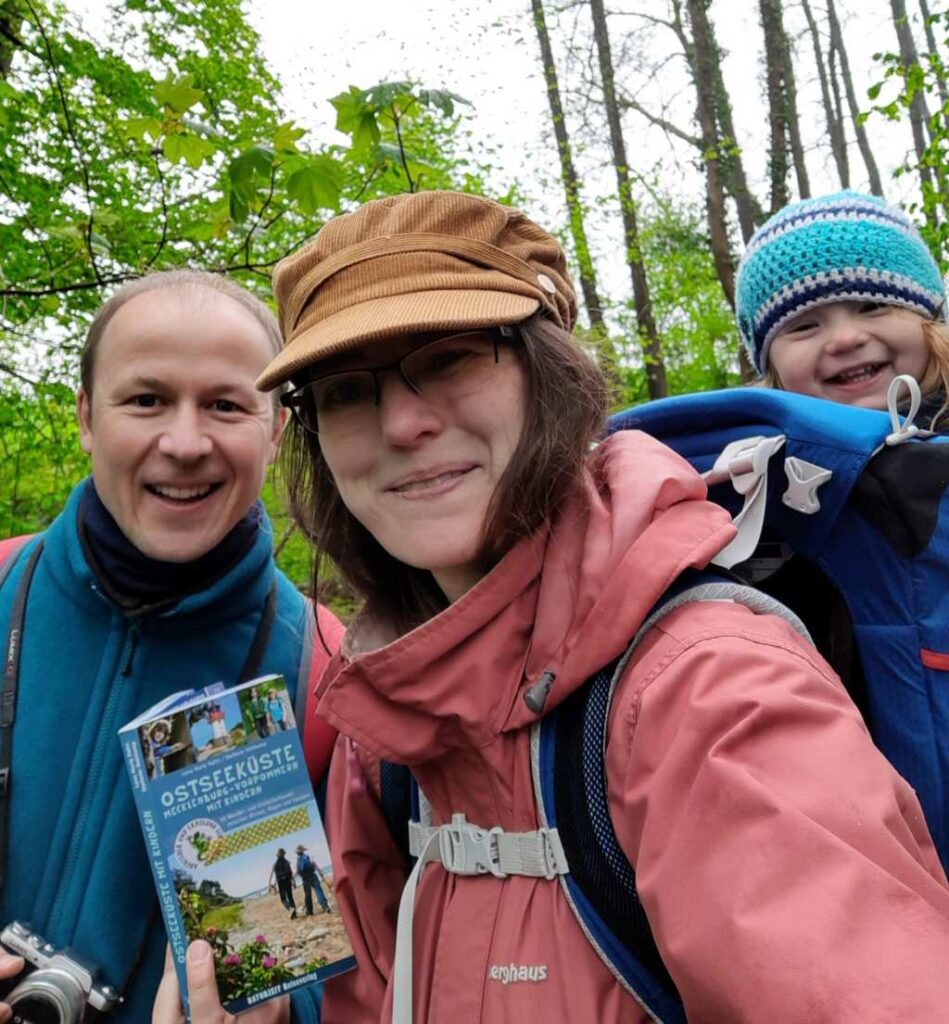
(745, 463)
(554, 857)
(466, 849)
(902, 431)
(804, 479)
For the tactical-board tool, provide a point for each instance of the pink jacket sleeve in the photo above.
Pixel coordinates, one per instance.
(365, 861)
(785, 867)
(318, 735)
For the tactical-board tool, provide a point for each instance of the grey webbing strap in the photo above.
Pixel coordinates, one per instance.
(465, 849)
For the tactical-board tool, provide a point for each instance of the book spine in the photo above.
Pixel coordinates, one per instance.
(148, 816)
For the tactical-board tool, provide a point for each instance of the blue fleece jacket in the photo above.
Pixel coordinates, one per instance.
(77, 866)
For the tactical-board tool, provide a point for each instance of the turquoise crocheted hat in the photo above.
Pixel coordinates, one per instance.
(846, 245)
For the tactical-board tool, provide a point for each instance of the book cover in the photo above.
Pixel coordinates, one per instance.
(235, 839)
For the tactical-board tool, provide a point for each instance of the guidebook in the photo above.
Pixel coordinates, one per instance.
(235, 839)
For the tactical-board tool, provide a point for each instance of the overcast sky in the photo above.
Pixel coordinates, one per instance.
(487, 52)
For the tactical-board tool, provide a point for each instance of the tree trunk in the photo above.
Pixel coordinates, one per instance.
(777, 108)
(11, 18)
(750, 214)
(702, 55)
(649, 337)
(568, 173)
(790, 106)
(837, 39)
(918, 114)
(608, 357)
(933, 49)
(835, 128)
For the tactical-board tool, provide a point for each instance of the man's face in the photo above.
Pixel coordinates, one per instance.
(179, 436)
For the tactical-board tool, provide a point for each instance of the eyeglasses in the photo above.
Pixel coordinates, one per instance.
(449, 367)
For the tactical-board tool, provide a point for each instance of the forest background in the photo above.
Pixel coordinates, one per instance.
(163, 133)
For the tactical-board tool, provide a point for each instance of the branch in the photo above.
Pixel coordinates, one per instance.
(70, 131)
(398, 135)
(245, 244)
(626, 103)
(284, 537)
(367, 182)
(63, 289)
(9, 34)
(164, 213)
(10, 371)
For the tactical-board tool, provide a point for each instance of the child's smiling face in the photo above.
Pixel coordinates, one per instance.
(850, 351)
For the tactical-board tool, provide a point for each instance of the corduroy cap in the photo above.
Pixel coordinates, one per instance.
(429, 261)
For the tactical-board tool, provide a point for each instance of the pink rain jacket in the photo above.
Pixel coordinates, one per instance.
(785, 867)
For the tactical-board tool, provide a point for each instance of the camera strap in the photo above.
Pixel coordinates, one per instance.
(8, 698)
(11, 679)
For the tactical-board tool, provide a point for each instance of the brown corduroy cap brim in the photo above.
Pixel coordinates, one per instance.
(410, 264)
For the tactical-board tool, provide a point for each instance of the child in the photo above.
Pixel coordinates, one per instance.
(160, 735)
(839, 294)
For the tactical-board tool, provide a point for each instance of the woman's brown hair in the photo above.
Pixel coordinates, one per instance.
(566, 409)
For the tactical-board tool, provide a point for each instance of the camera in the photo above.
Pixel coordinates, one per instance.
(59, 988)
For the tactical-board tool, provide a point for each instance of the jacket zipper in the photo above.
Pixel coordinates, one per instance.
(107, 730)
(131, 643)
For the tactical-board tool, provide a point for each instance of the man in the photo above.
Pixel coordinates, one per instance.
(310, 875)
(282, 874)
(157, 576)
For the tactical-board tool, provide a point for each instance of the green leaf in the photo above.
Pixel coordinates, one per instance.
(237, 207)
(286, 136)
(316, 186)
(191, 149)
(874, 91)
(255, 162)
(366, 135)
(385, 93)
(442, 99)
(138, 127)
(178, 94)
(350, 107)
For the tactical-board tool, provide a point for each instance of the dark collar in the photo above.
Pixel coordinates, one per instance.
(138, 583)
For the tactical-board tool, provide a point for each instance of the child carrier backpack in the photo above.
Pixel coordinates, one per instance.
(850, 503)
(844, 518)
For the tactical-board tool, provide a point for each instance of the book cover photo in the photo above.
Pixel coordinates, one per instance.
(235, 839)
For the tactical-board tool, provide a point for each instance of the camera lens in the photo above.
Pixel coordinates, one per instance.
(37, 1009)
(47, 997)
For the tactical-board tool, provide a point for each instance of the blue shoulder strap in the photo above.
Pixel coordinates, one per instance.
(568, 762)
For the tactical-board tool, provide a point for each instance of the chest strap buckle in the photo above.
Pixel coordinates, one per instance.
(464, 848)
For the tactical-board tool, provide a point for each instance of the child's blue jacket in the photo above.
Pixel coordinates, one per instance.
(77, 867)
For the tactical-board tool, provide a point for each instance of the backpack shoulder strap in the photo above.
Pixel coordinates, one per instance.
(601, 884)
(323, 630)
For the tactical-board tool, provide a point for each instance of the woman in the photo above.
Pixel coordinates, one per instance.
(441, 457)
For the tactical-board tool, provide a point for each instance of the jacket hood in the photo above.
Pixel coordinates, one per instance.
(565, 601)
